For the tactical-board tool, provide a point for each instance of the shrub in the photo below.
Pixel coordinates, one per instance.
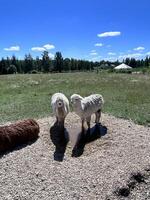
(34, 72)
(12, 69)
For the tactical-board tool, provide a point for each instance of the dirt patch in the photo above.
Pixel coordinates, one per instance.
(106, 164)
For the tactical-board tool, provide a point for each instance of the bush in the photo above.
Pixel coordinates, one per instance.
(12, 69)
(126, 71)
(111, 70)
(34, 72)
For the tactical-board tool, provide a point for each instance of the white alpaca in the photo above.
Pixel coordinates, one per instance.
(60, 106)
(85, 107)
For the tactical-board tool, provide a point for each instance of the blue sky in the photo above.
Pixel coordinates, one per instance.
(84, 29)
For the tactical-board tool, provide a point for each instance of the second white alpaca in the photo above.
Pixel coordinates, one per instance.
(85, 107)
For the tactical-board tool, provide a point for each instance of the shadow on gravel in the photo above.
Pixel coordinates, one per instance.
(60, 138)
(134, 181)
(17, 148)
(88, 136)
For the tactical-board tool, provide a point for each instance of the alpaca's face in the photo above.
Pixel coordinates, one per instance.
(60, 103)
(75, 99)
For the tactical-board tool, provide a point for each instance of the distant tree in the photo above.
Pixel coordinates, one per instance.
(76, 64)
(146, 62)
(3, 66)
(80, 65)
(58, 62)
(12, 69)
(127, 61)
(21, 66)
(0, 67)
(138, 63)
(87, 65)
(15, 62)
(73, 64)
(8, 62)
(67, 64)
(46, 62)
(116, 63)
(38, 64)
(28, 63)
(132, 63)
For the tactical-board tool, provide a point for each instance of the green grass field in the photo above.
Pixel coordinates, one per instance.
(26, 96)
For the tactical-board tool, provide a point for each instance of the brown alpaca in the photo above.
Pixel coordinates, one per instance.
(18, 133)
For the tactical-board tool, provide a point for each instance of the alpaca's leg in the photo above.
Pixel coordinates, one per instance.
(57, 120)
(62, 122)
(88, 120)
(82, 127)
(98, 116)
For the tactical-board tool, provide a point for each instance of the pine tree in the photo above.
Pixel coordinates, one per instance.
(3, 68)
(67, 64)
(133, 63)
(28, 63)
(146, 62)
(58, 62)
(38, 64)
(12, 69)
(46, 62)
(127, 61)
(15, 62)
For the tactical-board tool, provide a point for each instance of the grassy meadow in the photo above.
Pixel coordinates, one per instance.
(28, 95)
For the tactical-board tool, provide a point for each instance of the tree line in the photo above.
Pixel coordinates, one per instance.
(59, 64)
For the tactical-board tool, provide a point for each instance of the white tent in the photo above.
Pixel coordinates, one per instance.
(123, 66)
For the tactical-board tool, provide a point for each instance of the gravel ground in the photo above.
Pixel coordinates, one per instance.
(103, 170)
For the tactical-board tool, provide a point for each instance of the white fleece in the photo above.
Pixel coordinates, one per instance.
(60, 106)
(85, 107)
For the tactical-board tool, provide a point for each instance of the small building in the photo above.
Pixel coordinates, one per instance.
(123, 66)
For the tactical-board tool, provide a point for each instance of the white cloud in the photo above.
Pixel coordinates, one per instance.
(38, 49)
(133, 55)
(93, 53)
(97, 58)
(109, 34)
(13, 48)
(49, 46)
(139, 48)
(98, 45)
(136, 55)
(43, 48)
(112, 59)
(148, 53)
(111, 53)
(51, 55)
